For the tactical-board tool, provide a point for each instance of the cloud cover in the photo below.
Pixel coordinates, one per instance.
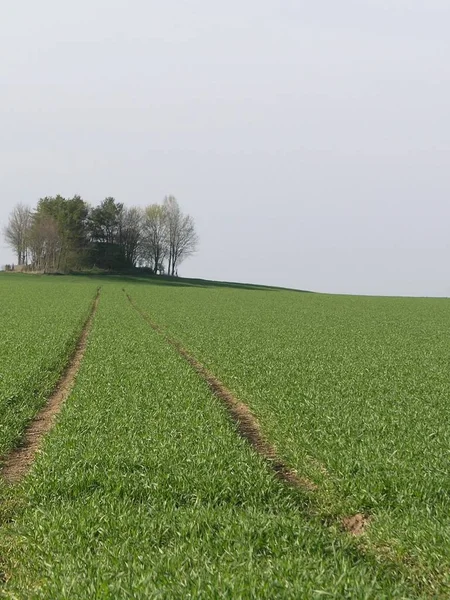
(310, 140)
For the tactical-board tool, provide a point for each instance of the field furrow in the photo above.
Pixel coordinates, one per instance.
(18, 462)
(239, 412)
(40, 325)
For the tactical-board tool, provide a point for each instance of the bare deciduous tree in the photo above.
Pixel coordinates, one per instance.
(154, 237)
(130, 228)
(45, 244)
(17, 232)
(182, 238)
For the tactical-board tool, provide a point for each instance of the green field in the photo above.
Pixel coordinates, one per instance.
(39, 326)
(144, 488)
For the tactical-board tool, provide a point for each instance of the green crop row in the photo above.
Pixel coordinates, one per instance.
(41, 319)
(354, 393)
(145, 490)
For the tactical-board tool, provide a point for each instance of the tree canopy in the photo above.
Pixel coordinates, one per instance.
(63, 234)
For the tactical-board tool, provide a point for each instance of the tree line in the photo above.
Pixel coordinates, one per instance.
(63, 234)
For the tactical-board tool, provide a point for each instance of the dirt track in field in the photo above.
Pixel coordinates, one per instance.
(241, 414)
(249, 427)
(19, 461)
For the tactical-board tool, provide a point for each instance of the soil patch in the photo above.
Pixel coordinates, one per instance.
(356, 525)
(19, 461)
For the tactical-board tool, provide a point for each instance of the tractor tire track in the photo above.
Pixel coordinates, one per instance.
(247, 424)
(20, 460)
(249, 427)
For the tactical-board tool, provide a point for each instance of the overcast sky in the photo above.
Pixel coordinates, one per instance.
(310, 140)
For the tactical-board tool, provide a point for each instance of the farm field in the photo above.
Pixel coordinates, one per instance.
(41, 319)
(353, 391)
(144, 487)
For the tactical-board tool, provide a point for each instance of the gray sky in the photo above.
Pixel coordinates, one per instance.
(309, 139)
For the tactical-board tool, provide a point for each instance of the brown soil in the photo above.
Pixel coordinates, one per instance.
(356, 525)
(241, 414)
(19, 461)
